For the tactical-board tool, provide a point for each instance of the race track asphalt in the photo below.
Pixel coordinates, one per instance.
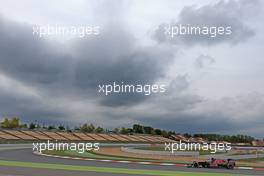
(26, 155)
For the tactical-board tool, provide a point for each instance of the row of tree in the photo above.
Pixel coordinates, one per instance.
(230, 138)
(140, 129)
(90, 128)
(14, 123)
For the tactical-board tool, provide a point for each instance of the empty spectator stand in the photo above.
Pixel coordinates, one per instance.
(54, 135)
(69, 136)
(19, 134)
(37, 135)
(6, 136)
(96, 137)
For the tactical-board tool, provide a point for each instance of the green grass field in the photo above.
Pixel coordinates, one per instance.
(254, 160)
(107, 169)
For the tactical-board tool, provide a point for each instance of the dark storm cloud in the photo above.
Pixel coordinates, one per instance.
(26, 106)
(112, 56)
(65, 79)
(231, 115)
(222, 14)
(28, 58)
(182, 123)
(193, 124)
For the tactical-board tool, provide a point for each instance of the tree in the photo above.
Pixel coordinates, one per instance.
(228, 138)
(116, 130)
(5, 123)
(51, 127)
(99, 130)
(61, 127)
(14, 122)
(25, 126)
(148, 129)
(10, 123)
(137, 128)
(32, 126)
(187, 135)
(130, 130)
(164, 133)
(157, 131)
(171, 133)
(87, 128)
(124, 130)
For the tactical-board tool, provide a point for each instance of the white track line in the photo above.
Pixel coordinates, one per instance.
(245, 168)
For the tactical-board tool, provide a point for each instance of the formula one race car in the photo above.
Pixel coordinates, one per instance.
(214, 163)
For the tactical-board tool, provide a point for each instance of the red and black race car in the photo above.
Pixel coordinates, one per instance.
(215, 163)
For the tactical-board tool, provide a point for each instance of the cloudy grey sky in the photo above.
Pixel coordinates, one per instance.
(213, 85)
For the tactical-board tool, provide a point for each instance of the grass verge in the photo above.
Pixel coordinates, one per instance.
(107, 169)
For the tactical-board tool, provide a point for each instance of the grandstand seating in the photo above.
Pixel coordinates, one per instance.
(69, 136)
(53, 135)
(37, 135)
(138, 138)
(163, 139)
(108, 137)
(129, 138)
(83, 136)
(148, 138)
(78, 136)
(19, 134)
(179, 138)
(120, 138)
(96, 137)
(7, 136)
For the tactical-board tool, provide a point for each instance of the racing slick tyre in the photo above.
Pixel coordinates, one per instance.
(195, 164)
(230, 166)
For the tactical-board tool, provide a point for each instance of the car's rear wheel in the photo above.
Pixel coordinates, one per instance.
(230, 166)
(195, 164)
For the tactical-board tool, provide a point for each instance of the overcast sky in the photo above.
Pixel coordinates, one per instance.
(213, 85)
